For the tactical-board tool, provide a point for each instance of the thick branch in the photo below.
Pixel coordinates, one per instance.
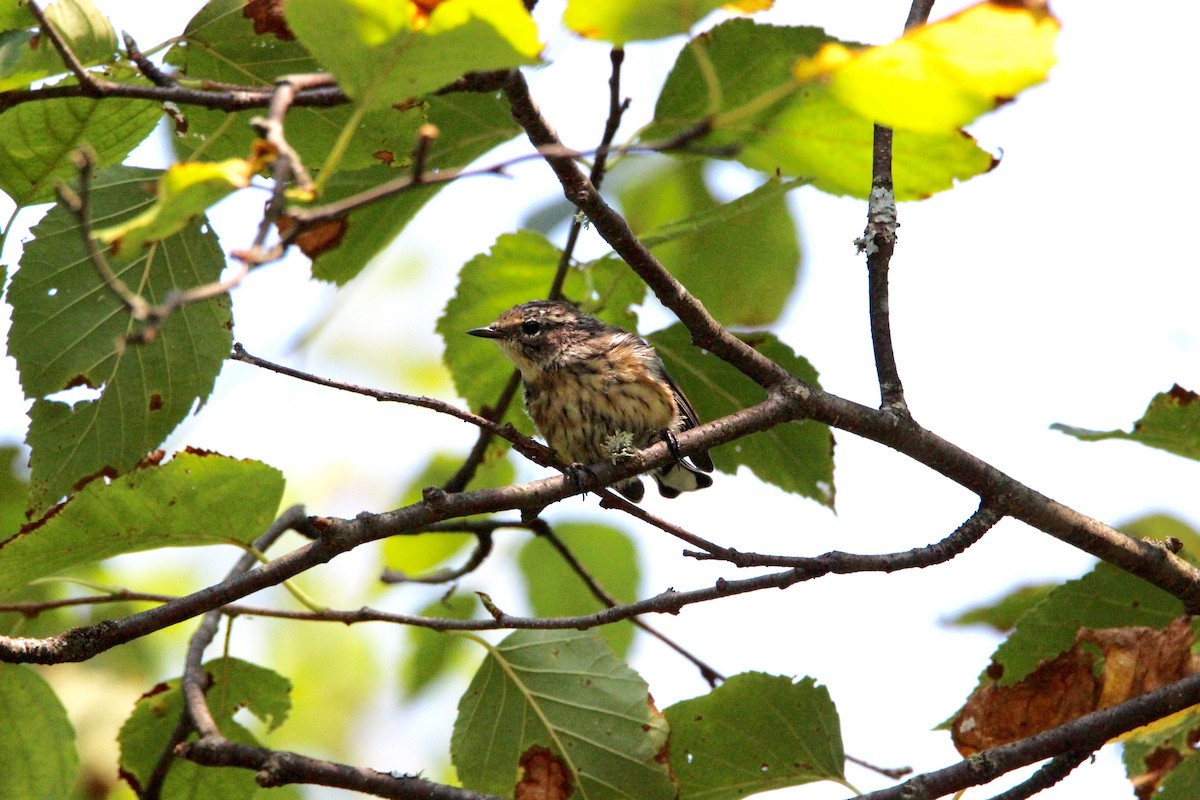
(1085, 734)
(994, 488)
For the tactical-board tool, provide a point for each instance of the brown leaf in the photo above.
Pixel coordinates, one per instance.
(544, 776)
(315, 239)
(268, 18)
(1136, 660)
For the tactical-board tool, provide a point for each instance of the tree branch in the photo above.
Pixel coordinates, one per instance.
(1083, 735)
(994, 488)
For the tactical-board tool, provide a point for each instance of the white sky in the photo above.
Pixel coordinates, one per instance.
(1059, 288)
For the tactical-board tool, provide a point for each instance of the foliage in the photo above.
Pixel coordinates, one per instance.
(356, 114)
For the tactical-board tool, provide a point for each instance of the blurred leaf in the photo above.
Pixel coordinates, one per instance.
(740, 258)
(429, 653)
(195, 499)
(1163, 526)
(1161, 758)
(796, 456)
(942, 76)
(37, 140)
(554, 590)
(231, 42)
(26, 57)
(780, 126)
(1106, 597)
(384, 52)
(37, 743)
(416, 555)
(184, 192)
(1171, 423)
(13, 490)
(236, 684)
(66, 332)
(561, 704)
(1181, 782)
(754, 733)
(468, 126)
(621, 21)
(1003, 614)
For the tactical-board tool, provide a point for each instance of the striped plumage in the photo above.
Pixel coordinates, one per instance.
(593, 390)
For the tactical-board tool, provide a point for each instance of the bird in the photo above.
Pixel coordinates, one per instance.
(597, 392)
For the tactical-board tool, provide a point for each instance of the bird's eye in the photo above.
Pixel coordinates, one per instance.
(530, 327)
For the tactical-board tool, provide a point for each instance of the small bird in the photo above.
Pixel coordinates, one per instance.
(596, 392)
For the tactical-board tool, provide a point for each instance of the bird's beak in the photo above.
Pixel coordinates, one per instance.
(486, 333)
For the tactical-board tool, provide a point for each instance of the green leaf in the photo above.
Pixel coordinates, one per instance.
(1175, 735)
(621, 21)
(26, 56)
(185, 191)
(384, 52)
(230, 42)
(695, 237)
(942, 76)
(430, 653)
(195, 499)
(1171, 423)
(37, 140)
(468, 125)
(554, 590)
(754, 733)
(235, 684)
(796, 456)
(416, 555)
(37, 743)
(1106, 597)
(1163, 526)
(67, 328)
(1182, 781)
(779, 125)
(1003, 614)
(560, 701)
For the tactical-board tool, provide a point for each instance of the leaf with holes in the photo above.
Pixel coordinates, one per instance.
(67, 330)
(754, 733)
(559, 709)
(236, 684)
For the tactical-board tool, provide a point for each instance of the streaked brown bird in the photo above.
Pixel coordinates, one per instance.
(596, 392)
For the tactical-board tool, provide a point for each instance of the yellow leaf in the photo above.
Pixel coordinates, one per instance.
(184, 191)
(942, 76)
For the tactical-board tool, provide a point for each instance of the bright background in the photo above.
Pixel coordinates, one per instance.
(1061, 287)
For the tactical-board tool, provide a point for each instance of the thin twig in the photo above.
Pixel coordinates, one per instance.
(145, 65)
(1047, 775)
(895, 773)
(526, 446)
(87, 80)
(542, 529)
(967, 534)
(616, 110)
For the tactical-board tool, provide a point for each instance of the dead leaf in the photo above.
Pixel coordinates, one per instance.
(1136, 660)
